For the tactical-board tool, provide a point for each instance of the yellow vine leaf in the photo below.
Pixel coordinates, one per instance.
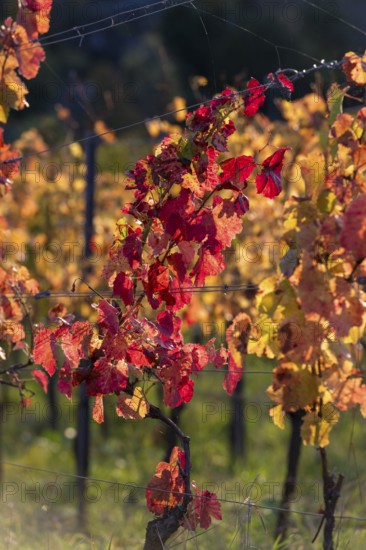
(315, 429)
(313, 172)
(354, 67)
(190, 181)
(278, 416)
(12, 93)
(134, 406)
(179, 104)
(293, 387)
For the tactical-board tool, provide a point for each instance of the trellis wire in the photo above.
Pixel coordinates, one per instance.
(219, 288)
(340, 19)
(110, 18)
(296, 75)
(108, 294)
(144, 488)
(80, 35)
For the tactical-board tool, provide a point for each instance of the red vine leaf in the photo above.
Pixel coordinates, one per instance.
(98, 409)
(201, 509)
(45, 350)
(353, 235)
(42, 379)
(255, 97)
(123, 287)
(64, 382)
(269, 180)
(237, 170)
(165, 489)
(108, 316)
(34, 15)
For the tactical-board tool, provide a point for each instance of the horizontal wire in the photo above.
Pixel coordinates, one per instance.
(235, 371)
(340, 19)
(109, 294)
(187, 539)
(81, 35)
(194, 372)
(133, 124)
(273, 44)
(277, 46)
(143, 487)
(45, 41)
(296, 74)
(107, 18)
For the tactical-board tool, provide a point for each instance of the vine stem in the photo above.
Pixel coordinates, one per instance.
(159, 530)
(355, 267)
(293, 459)
(332, 486)
(15, 368)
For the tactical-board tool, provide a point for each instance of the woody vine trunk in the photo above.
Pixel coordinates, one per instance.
(159, 530)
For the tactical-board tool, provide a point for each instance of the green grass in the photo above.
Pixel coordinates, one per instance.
(116, 518)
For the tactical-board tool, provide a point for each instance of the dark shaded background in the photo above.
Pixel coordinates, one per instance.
(132, 71)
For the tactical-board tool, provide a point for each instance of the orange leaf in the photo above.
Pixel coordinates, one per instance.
(29, 56)
(163, 490)
(354, 67)
(133, 407)
(98, 409)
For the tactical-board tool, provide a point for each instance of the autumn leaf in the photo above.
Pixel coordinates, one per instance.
(42, 379)
(203, 506)
(317, 425)
(64, 383)
(277, 415)
(237, 170)
(12, 93)
(293, 387)
(191, 181)
(132, 248)
(254, 98)
(208, 264)
(108, 376)
(307, 112)
(98, 409)
(108, 316)
(212, 179)
(34, 16)
(178, 388)
(354, 66)
(75, 342)
(346, 389)
(132, 407)
(353, 235)
(29, 56)
(269, 180)
(227, 221)
(347, 310)
(237, 336)
(314, 291)
(178, 104)
(45, 350)
(282, 82)
(105, 133)
(123, 287)
(313, 172)
(165, 489)
(7, 171)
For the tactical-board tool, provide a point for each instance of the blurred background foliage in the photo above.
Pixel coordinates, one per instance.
(120, 76)
(133, 71)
